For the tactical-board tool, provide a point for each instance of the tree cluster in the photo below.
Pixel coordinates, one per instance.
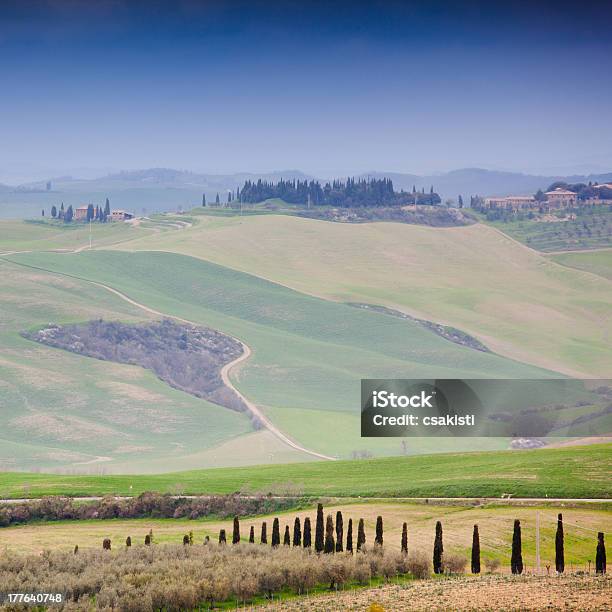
(351, 193)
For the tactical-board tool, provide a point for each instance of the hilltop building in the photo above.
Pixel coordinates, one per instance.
(560, 198)
(80, 213)
(511, 203)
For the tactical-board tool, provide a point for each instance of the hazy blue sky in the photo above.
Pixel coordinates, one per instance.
(329, 88)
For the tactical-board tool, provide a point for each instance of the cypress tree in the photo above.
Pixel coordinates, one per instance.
(128, 541)
(361, 538)
(379, 531)
(297, 532)
(516, 561)
(405, 538)
(43, 212)
(349, 537)
(287, 537)
(191, 538)
(339, 531)
(252, 535)
(107, 209)
(307, 534)
(275, 533)
(329, 535)
(203, 199)
(559, 552)
(475, 551)
(217, 200)
(53, 211)
(600, 556)
(438, 550)
(147, 540)
(264, 533)
(236, 531)
(106, 544)
(222, 538)
(185, 540)
(319, 534)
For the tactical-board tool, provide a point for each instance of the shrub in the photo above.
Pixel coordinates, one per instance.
(492, 565)
(106, 544)
(222, 538)
(361, 570)
(418, 565)
(455, 564)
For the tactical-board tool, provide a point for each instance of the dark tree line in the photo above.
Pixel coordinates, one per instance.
(351, 193)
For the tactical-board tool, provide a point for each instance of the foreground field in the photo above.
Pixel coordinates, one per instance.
(571, 472)
(466, 594)
(517, 302)
(495, 525)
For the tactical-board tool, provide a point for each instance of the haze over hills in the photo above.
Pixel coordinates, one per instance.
(466, 181)
(150, 190)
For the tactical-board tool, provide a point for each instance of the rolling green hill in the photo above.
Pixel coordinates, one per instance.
(577, 471)
(308, 354)
(597, 262)
(517, 302)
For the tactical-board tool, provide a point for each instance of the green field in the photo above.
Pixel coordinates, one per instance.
(517, 302)
(598, 262)
(570, 472)
(308, 354)
(61, 410)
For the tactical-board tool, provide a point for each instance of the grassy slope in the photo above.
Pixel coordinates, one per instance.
(495, 525)
(60, 410)
(599, 262)
(50, 235)
(517, 302)
(307, 353)
(578, 471)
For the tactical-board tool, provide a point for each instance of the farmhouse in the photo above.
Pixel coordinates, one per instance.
(121, 215)
(561, 198)
(511, 202)
(80, 214)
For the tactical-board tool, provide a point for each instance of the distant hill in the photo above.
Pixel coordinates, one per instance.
(465, 181)
(477, 181)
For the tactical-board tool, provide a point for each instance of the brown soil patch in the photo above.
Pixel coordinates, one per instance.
(498, 593)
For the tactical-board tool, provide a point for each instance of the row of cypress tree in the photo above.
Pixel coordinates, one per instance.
(329, 539)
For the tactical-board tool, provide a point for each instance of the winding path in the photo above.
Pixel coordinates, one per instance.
(246, 353)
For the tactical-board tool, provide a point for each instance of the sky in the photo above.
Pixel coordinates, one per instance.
(330, 88)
